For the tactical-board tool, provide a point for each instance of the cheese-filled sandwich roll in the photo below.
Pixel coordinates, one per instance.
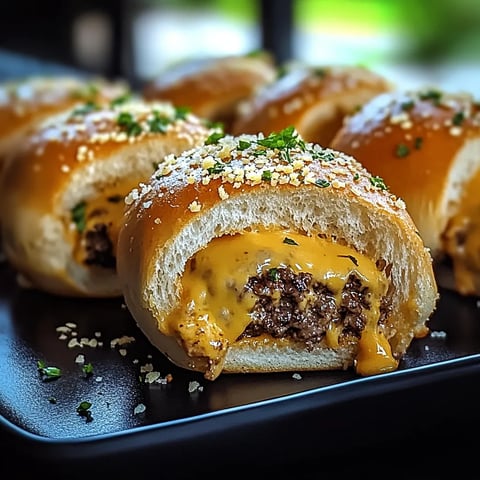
(263, 254)
(63, 195)
(426, 146)
(213, 87)
(312, 99)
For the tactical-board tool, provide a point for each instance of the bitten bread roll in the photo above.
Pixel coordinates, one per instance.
(425, 144)
(264, 254)
(213, 87)
(26, 102)
(312, 99)
(63, 195)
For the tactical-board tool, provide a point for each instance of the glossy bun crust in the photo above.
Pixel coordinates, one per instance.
(425, 145)
(62, 196)
(26, 102)
(313, 100)
(236, 186)
(213, 88)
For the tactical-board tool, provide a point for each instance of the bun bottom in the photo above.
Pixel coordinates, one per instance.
(251, 356)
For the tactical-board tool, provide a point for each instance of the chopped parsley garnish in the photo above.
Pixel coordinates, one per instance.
(378, 182)
(407, 105)
(266, 175)
(132, 127)
(48, 373)
(219, 167)
(181, 113)
(284, 140)
(434, 95)
(272, 274)
(351, 257)
(87, 369)
(458, 118)
(289, 241)
(356, 177)
(401, 150)
(418, 143)
(83, 410)
(120, 100)
(86, 108)
(214, 138)
(322, 183)
(323, 154)
(78, 216)
(159, 123)
(243, 144)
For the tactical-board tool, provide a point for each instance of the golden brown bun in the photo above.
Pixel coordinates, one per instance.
(73, 174)
(26, 102)
(313, 100)
(212, 88)
(425, 145)
(235, 187)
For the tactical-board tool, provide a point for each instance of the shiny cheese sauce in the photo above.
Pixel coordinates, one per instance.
(218, 307)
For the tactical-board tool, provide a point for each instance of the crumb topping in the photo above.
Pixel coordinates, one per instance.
(122, 121)
(416, 113)
(27, 95)
(279, 159)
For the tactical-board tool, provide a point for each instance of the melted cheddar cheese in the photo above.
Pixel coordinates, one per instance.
(217, 308)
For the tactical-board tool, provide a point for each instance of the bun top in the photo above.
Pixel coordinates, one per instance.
(26, 102)
(213, 87)
(312, 99)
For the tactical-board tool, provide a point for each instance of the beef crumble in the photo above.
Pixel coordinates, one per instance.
(296, 306)
(99, 247)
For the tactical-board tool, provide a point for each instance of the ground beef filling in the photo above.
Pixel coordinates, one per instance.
(294, 305)
(99, 247)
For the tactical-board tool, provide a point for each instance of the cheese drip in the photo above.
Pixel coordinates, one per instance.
(217, 308)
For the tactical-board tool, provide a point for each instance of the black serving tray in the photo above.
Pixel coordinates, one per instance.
(235, 413)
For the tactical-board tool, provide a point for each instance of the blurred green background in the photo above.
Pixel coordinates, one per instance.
(421, 40)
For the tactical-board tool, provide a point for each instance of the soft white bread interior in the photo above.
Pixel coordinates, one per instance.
(206, 210)
(63, 193)
(213, 87)
(312, 99)
(425, 144)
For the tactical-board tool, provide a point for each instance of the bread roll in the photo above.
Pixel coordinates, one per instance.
(213, 87)
(425, 144)
(313, 100)
(264, 254)
(63, 193)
